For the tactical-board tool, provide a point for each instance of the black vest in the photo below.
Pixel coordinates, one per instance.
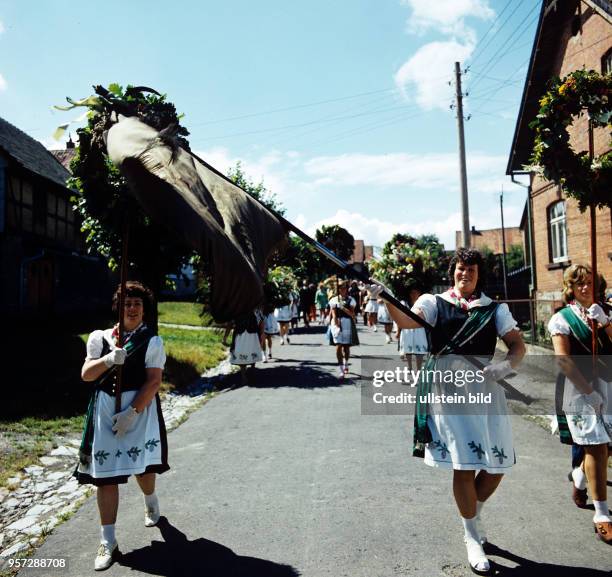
(450, 320)
(134, 373)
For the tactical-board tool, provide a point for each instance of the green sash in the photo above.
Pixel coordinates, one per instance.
(477, 320)
(583, 336)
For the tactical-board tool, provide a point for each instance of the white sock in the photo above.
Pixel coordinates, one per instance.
(151, 501)
(107, 533)
(479, 524)
(601, 512)
(579, 477)
(476, 555)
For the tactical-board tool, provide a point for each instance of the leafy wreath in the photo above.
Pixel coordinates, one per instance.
(589, 182)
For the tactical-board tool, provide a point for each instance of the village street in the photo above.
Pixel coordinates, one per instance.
(287, 477)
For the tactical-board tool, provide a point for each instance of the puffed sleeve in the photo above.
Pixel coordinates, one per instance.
(156, 356)
(427, 305)
(557, 325)
(95, 343)
(504, 321)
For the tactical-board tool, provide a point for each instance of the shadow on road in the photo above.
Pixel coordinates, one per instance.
(529, 568)
(302, 375)
(176, 556)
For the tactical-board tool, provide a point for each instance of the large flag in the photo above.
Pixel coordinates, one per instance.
(233, 232)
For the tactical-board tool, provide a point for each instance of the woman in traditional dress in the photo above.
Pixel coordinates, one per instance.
(413, 342)
(283, 314)
(371, 309)
(295, 310)
(342, 326)
(132, 441)
(246, 342)
(321, 300)
(477, 447)
(270, 329)
(384, 318)
(587, 397)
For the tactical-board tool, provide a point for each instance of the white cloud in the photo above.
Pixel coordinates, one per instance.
(312, 188)
(377, 232)
(3, 84)
(446, 16)
(429, 72)
(425, 171)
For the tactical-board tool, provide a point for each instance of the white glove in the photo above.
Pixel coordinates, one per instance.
(116, 357)
(596, 313)
(123, 421)
(497, 371)
(376, 288)
(595, 400)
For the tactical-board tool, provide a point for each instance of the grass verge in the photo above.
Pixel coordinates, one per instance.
(181, 313)
(58, 410)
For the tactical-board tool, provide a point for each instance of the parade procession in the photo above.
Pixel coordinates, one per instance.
(318, 290)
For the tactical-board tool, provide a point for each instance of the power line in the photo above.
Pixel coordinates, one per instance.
(481, 48)
(310, 123)
(494, 59)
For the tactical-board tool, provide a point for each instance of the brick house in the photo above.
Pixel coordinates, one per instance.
(492, 238)
(45, 271)
(571, 35)
(362, 253)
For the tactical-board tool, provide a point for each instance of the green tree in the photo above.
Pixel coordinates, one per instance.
(515, 257)
(237, 175)
(337, 239)
(409, 262)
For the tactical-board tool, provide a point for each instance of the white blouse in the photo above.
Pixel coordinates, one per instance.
(504, 321)
(155, 357)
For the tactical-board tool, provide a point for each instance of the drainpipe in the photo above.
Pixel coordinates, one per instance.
(530, 248)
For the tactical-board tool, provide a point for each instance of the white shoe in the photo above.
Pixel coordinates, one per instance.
(152, 516)
(105, 556)
(282, 341)
(375, 329)
(340, 372)
(388, 339)
(265, 358)
(477, 559)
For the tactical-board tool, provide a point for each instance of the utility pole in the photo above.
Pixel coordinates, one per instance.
(504, 270)
(465, 212)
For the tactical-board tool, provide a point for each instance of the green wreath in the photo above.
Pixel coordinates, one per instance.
(589, 182)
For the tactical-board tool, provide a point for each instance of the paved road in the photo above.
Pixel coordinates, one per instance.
(286, 478)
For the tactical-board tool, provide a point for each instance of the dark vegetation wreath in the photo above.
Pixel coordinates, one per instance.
(588, 181)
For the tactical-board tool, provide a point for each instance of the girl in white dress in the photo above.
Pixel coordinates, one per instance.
(116, 445)
(372, 309)
(246, 342)
(385, 320)
(477, 447)
(342, 326)
(413, 342)
(587, 402)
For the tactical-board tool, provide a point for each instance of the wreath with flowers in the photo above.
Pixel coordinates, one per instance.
(588, 181)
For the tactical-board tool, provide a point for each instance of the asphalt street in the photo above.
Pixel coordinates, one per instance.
(286, 477)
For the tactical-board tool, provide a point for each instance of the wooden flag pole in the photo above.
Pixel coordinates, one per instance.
(595, 277)
(121, 305)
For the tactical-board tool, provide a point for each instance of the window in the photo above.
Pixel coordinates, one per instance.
(557, 231)
(38, 210)
(606, 62)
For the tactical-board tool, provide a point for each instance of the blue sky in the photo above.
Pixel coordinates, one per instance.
(341, 107)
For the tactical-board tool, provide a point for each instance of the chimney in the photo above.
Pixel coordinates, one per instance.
(69, 144)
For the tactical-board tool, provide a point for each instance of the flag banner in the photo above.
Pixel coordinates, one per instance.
(231, 231)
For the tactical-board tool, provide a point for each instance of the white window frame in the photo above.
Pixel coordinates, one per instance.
(557, 230)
